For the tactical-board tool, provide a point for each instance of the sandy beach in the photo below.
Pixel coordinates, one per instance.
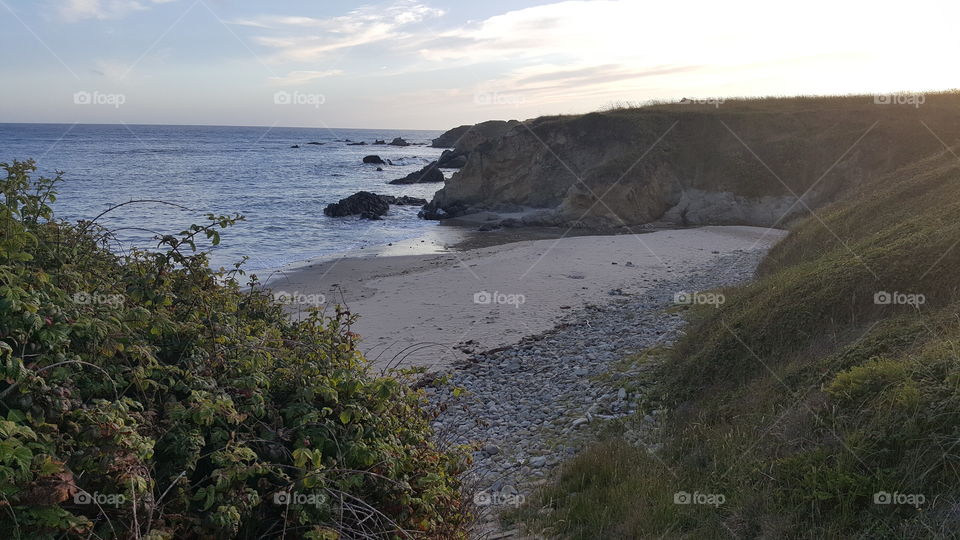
(433, 309)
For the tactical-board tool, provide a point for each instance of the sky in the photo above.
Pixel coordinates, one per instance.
(436, 64)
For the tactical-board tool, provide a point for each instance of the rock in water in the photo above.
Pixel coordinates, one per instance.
(430, 173)
(398, 141)
(403, 201)
(368, 205)
(374, 159)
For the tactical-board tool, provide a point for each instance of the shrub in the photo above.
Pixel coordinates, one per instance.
(146, 395)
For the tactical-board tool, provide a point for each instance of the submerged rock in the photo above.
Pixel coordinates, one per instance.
(374, 159)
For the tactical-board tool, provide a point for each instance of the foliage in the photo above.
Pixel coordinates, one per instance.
(148, 396)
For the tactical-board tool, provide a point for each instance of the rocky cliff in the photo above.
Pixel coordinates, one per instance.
(739, 162)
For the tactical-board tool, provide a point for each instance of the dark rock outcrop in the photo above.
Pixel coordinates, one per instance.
(451, 160)
(379, 141)
(433, 211)
(295, 146)
(403, 200)
(463, 140)
(367, 205)
(398, 141)
(315, 143)
(376, 160)
(450, 138)
(430, 173)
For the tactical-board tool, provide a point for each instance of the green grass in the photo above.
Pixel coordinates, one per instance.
(801, 398)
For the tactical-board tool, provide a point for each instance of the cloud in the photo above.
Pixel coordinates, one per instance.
(305, 39)
(303, 76)
(77, 10)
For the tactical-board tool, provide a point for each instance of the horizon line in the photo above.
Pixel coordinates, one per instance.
(2, 123)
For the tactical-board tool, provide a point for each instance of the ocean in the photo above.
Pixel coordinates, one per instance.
(252, 171)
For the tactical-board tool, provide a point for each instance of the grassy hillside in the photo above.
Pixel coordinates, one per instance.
(805, 399)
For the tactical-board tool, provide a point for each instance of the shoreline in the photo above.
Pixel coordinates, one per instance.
(462, 292)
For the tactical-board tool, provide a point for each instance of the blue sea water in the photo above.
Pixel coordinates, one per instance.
(251, 171)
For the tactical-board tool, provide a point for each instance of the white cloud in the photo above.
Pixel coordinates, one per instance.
(303, 76)
(77, 10)
(304, 39)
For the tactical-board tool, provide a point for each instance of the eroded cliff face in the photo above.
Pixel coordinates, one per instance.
(742, 163)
